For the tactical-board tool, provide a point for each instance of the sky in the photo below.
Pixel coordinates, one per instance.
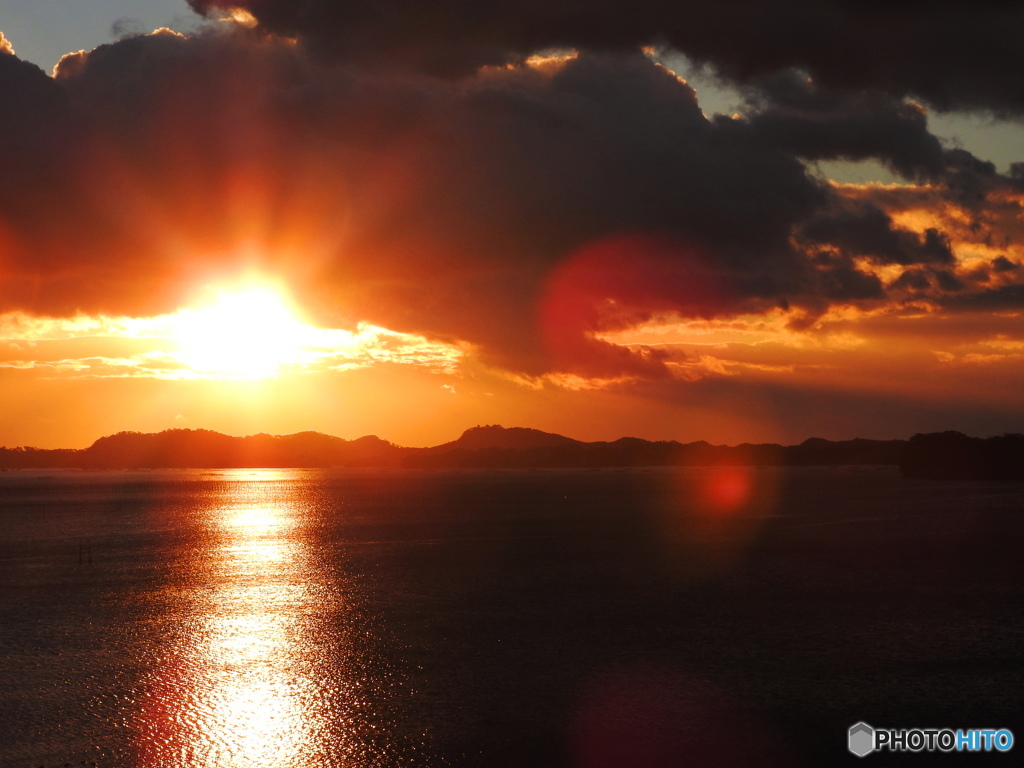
(731, 221)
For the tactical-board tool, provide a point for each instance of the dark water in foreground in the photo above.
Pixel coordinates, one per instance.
(651, 618)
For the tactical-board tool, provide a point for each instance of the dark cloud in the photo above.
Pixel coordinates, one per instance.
(863, 229)
(947, 281)
(917, 280)
(969, 180)
(953, 54)
(34, 122)
(838, 280)
(1006, 298)
(800, 116)
(1003, 264)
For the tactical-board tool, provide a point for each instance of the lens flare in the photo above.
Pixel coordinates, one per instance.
(724, 490)
(710, 515)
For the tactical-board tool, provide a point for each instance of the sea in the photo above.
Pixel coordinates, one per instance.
(649, 617)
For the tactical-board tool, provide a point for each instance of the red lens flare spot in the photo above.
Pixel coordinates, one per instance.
(615, 283)
(726, 490)
(711, 514)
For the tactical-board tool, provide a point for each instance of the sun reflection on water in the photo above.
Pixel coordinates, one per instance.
(239, 685)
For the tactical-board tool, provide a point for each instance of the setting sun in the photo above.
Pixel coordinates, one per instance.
(246, 335)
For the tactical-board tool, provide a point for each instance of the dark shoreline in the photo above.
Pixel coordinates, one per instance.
(943, 455)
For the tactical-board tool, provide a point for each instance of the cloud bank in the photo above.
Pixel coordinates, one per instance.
(415, 168)
(953, 54)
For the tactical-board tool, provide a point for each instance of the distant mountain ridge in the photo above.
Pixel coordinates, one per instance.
(480, 446)
(516, 438)
(940, 455)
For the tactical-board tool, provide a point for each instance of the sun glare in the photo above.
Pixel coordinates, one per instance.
(250, 334)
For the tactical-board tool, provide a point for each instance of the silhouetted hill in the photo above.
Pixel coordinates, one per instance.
(203, 448)
(38, 458)
(816, 450)
(512, 438)
(948, 455)
(494, 447)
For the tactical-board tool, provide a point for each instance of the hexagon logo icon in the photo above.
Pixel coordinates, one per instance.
(862, 739)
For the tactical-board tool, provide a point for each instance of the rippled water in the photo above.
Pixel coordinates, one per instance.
(251, 672)
(286, 618)
(184, 619)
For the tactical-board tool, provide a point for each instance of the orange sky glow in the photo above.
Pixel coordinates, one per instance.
(239, 237)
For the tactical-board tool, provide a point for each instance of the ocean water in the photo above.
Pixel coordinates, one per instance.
(654, 617)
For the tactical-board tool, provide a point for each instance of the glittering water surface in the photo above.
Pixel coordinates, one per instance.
(186, 619)
(356, 618)
(241, 683)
